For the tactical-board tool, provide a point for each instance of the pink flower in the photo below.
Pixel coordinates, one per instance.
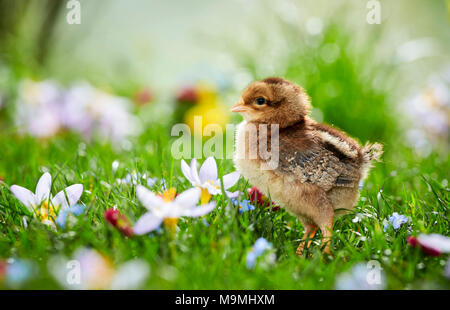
(432, 244)
(120, 221)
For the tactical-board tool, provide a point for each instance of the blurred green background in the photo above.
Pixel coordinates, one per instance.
(361, 76)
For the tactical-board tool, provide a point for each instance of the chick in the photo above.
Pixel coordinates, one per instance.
(319, 167)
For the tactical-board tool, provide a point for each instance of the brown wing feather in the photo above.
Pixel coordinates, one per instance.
(318, 165)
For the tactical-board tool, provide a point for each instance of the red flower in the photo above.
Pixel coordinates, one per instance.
(412, 241)
(258, 198)
(3, 267)
(120, 221)
(187, 94)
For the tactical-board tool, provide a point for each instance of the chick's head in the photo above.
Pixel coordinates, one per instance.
(273, 101)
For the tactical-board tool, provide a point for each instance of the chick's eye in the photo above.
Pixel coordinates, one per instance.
(260, 101)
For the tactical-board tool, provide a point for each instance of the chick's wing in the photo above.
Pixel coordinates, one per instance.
(318, 165)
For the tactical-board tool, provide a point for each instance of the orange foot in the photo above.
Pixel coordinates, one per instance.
(309, 235)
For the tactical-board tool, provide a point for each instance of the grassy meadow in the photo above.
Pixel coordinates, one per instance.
(350, 87)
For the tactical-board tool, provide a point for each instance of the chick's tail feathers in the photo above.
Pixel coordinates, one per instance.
(370, 152)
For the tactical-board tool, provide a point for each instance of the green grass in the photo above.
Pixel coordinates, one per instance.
(214, 257)
(201, 257)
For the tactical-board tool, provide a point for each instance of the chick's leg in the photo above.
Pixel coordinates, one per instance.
(324, 219)
(310, 232)
(327, 231)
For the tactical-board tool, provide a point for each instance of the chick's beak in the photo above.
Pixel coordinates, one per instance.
(239, 107)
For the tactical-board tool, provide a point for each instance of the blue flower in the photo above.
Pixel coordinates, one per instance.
(244, 205)
(361, 185)
(76, 210)
(261, 245)
(18, 272)
(205, 222)
(396, 220)
(250, 260)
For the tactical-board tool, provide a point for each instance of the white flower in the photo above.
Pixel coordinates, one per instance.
(42, 196)
(358, 218)
(136, 178)
(435, 241)
(207, 179)
(89, 269)
(115, 165)
(37, 108)
(93, 112)
(362, 277)
(427, 112)
(433, 244)
(160, 209)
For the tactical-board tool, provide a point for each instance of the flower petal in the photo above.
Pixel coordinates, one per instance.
(147, 198)
(213, 189)
(232, 194)
(208, 171)
(62, 218)
(73, 192)
(261, 245)
(131, 275)
(199, 211)
(76, 209)
(25, 196)
(188, 198)
(147, 223)
(436, 242)
(230, 179)
(186, 171)
(194, 173)
(43, 187)
(60, 200)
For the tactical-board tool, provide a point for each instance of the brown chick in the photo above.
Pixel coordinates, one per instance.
(319, 167)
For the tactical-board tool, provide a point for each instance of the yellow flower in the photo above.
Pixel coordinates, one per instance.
(169, 194)
(209, 108)
(170, 222)
(46, 212)
(205, 196)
